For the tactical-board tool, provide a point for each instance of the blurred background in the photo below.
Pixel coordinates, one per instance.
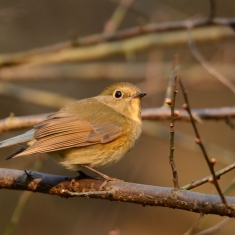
(25, 25)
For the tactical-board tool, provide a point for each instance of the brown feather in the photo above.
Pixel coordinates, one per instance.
(63, 130)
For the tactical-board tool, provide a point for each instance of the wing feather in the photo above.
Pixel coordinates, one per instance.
(62, 131)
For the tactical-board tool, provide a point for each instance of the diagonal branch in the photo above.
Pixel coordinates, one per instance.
(219, 173)
(206, 65)
(215, 228)
(129, 40)
(210, 163)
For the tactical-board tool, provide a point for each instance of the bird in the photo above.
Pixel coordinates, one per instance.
(91, 133)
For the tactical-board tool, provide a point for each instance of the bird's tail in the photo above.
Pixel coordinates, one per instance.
(27, 136)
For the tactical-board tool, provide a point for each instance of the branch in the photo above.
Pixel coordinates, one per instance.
(206, 114)
(118, 16)
(14, 123)
(215, 228)
(35, 96)
(209, 162)
(122, 42)
(145, 195)
(132, 71)
(219, 173)
(206, 65)
(174, 114)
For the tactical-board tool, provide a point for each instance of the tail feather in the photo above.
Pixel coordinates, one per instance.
(14, 154)
(27, 136)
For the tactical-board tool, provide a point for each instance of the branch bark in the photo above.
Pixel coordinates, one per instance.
(145, 195)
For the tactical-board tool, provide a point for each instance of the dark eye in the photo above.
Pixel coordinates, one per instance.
(118, 94)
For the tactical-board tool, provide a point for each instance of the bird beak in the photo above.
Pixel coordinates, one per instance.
(140, 95)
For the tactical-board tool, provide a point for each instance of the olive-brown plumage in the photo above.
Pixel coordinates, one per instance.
(96, 131)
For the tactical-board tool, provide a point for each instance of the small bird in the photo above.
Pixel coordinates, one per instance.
(91, 133)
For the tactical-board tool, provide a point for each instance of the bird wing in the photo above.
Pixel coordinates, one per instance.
(63, 131)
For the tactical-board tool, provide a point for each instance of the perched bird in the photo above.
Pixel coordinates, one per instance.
(92, 133)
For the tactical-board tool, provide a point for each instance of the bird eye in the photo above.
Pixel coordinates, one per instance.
(118, 94)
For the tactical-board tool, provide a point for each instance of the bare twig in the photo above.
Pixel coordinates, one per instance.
(230, 123)
(204, 218)
(201, 145)
(194, 227)
(205, 114)
(186, 141)
(133, 32)
(118, 15)
(206, 65)
(169, 90)
(100, 46)
(25, 196)
(197, 183)
(123, 191)
(174, 114)
(14, 123)
(230, 187)
(131, 71)
(44, 98)
(212, 10)
(215, 228)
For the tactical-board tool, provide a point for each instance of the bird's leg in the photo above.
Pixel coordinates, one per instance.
(106, 177)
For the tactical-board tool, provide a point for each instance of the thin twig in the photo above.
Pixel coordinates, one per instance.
(174, 114)
(212, 10)
(206, 65)
(169, 90)
(204, 218)
(35, 96)
(131, 71)
(10, 228)
(230, 187)
(216, 227)
(23, 200)
(230, 123)
(118, 16)
(219, 173)
(194, 227)
(186, 141)
(103, 47)
(132, 32)
(201, 145)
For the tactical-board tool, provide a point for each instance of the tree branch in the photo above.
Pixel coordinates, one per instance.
(206, 65)
(14, 123)
(132, 71)
(198, 140)
(129, 40)
(145, 195)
